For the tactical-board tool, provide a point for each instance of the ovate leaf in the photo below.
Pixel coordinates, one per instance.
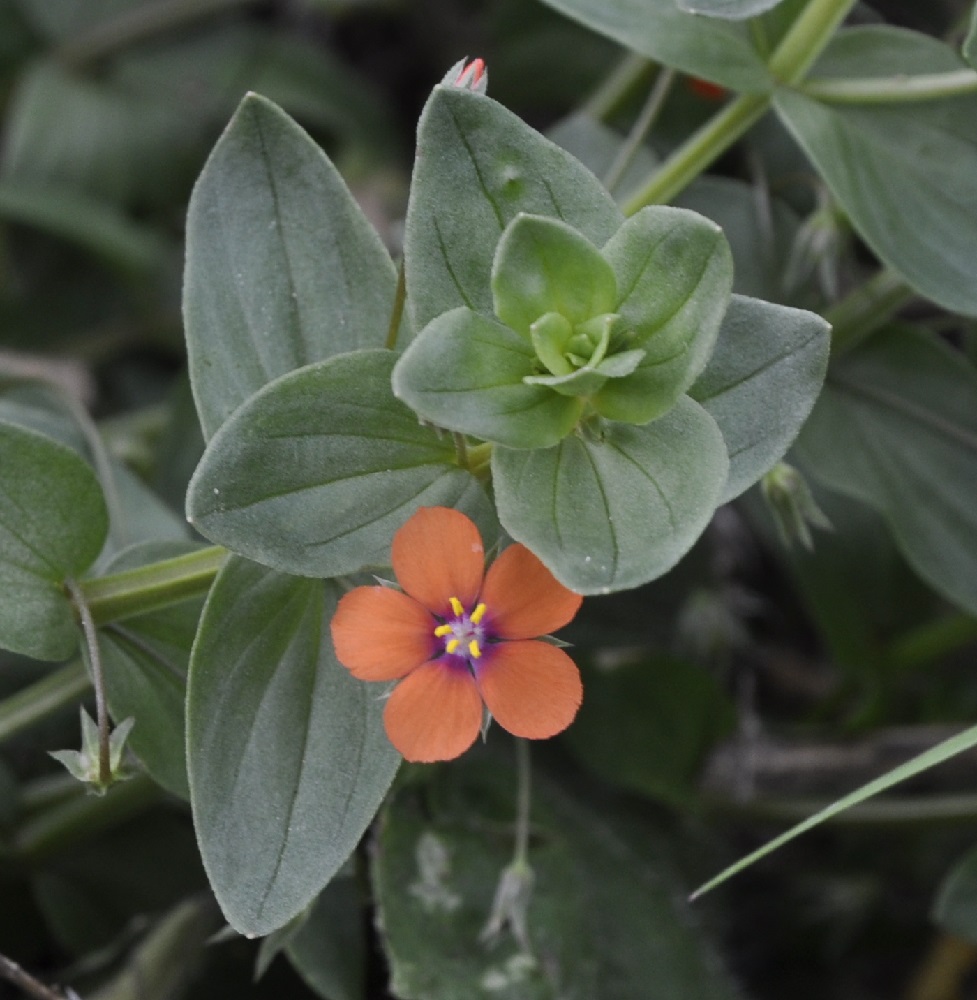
(283, 268)
(287, 756)
(896, 427)
(315, 473)
(53, 523)
(479, 165)
(731, 10)
(718, 50)
(761, 383)
(611, 511)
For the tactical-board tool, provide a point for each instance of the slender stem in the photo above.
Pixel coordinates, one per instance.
(523, 802)
(865, 309)
(397, 314)
(893, 89)
(805, 41)
(606, 99)
(136, 591)
(37, 701)
(143, 22)
(98, 680)
(83, 815)
(461, 449)
(13, 973)
(699, 151)
(642, 126)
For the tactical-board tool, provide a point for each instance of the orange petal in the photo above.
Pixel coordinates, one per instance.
(523, 597)
(438, 554)
(380, 634)
(532, 689)
(435, 713)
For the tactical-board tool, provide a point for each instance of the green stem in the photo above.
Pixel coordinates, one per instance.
(143, 22)
(792, 58)
(642, 126)
(98, 680)
(83, 815)
(699, 151)
(805, 41)
(147, 588)
(479, 460)
(397, 314)
(60, 688)
(523, 803)
(461, 449)
(612, 92)
(893, 89)
(865, 309)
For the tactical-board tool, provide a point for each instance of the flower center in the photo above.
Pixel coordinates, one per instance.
(464, 633)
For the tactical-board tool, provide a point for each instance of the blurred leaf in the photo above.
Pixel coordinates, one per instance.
(488, 166)
(717, 50)
(145, 660)
(906, 174)
(283, 269)
(604, 921)
(329, 951)
(903, 405)
(53, 523)
(612, 512)
(646, 725)
(732, 10)
(93, 892)
(315, 473)
(970, 42)
(287, 755)
(955, 906)
(95, 226)
(761, 383)
(64, 19)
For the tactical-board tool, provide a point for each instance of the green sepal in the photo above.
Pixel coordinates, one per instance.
(467, 373)
(541, 266)
(674, 271)
(612, 508)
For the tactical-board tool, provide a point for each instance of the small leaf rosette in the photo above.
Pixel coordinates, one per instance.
(457, 638)
(620, 332)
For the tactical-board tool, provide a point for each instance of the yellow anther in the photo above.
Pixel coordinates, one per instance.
(452, 646)
(456, 606)
(474, 650)
(442, 630)
(477, 614)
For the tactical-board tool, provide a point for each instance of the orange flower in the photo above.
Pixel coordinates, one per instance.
(457, 637)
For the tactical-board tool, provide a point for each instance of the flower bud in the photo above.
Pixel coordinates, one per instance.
(794, 509)
(466, 75)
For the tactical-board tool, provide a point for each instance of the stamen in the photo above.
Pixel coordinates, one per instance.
(456, 606)
(442, 630)
(474, 650)
(452, 645)
(477, 614)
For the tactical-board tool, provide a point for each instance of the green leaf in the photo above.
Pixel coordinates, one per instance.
(717, 50)
(883, 50)
(287, 755)
(955, 907)
(315, 473)
(545, 266)
(604, 919)
(478, 167)
(674, 273)
(145, 660)
(329, 951)
(906, 174)
(922, 762)
(611, 512)
(466, 372)
(646, 725)
(903, 405)
(53, 524)
(761, 383)
(283, 268)
(731, 10)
